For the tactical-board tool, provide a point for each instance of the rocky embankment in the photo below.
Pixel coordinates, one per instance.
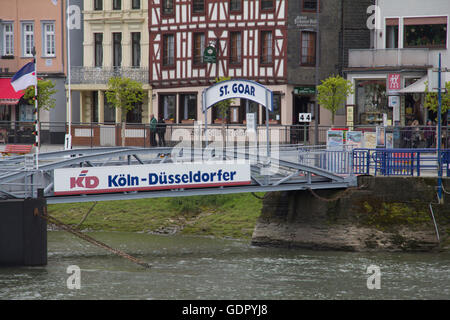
(382, 214)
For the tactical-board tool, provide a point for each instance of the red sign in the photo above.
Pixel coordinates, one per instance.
(394, 82)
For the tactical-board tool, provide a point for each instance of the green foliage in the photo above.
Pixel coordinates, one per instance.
(219, 215)
(332, 94)
(46, 89)
(431, 99)
(124, 93)
(224, 105)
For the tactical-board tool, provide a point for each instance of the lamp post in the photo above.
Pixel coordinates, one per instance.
(316, 106)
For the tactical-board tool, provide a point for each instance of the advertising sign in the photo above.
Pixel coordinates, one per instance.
(370, 140)
(335, 139)
(354, 139)
(381, 136)
(251, 121)
(73, 181)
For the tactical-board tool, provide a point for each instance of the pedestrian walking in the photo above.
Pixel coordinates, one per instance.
(430, 134)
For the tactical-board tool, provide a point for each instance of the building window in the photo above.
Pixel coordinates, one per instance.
(235, 5)
(235, 47)
(198, 6)
(8, 39)
(199, 47)
(109, 112)
(49, 39)
(136, 4)
(425, 36)
(136, 49)
(167, 107)
(275, 114)
(167, 6)
(267, 4)
(310, 5)
(135, 115)
(28, 39)
(168, 50)
(98, 54)
(391, 37)
(308, 49)
(98, 5)
(117, 5)
(188, 107)
(117, 49)
(266, 47)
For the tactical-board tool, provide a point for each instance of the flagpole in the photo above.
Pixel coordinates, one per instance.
(68, 144)
(38, 136)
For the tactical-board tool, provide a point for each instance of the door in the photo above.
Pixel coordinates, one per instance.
(300, 130)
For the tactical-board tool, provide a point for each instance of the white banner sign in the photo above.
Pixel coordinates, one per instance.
(74, 181)
(244, 89)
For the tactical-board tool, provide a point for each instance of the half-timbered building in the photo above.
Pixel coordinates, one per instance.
(273, 42)
(250, 38)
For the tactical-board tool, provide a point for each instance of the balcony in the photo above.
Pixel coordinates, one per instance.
(101, 75)
(379, 58)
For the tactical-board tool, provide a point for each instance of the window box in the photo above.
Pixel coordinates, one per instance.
(188, 121)
(8, 57)
(169, 121)
(274, 121)
(219, 121)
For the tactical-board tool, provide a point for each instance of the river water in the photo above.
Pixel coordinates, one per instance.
(185, 267)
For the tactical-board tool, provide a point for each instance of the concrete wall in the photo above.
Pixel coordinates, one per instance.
(23, 234)
(382, 214)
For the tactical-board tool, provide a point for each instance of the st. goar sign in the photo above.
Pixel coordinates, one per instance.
(231, 89)
(244, 89)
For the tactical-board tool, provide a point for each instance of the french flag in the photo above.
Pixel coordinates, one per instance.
(25, 77)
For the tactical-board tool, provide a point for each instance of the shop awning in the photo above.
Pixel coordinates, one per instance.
(416, 87)
(7, 93)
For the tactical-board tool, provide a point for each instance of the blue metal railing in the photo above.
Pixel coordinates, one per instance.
(398, 162)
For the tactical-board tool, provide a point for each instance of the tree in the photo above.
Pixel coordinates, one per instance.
(124, 93)
(46, 90)
(333, 93)
(431, 99)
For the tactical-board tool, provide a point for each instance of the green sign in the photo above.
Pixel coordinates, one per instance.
(304, 90)
(210, 55)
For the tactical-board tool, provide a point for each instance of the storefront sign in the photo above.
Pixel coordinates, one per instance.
(210, 55)
(73, 181)
(304, 90)
(305, 22)
(394, 82)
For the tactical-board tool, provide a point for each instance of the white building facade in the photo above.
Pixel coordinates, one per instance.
(389, 80)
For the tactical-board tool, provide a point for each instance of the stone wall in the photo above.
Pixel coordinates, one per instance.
(382, 214)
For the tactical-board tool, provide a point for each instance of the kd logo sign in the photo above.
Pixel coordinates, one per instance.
(74, 281)
(374, 280)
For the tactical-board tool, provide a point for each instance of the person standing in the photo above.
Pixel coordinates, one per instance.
(153, 123)
(161, 130)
